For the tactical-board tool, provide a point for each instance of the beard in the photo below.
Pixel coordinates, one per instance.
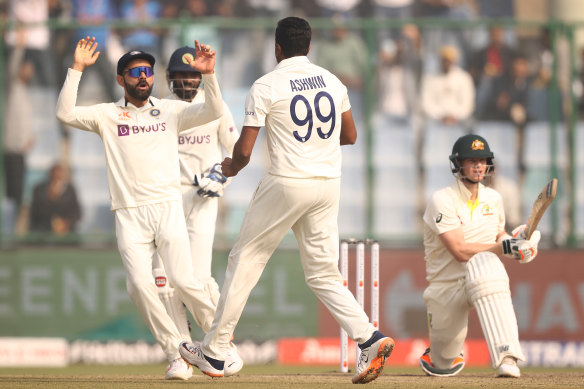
(186, 94)
(139, 94)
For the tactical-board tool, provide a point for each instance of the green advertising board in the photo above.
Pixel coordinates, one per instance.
(81, 294)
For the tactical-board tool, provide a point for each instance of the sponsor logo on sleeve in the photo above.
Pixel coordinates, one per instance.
(439, 218)
(160, 281)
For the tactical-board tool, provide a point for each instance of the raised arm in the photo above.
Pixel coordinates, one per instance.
(67, 112)
(199, 114)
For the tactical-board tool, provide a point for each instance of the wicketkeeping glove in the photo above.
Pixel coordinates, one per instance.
(522, 250)
(211, 183)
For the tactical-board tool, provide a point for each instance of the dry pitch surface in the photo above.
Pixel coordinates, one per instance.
(273, 376)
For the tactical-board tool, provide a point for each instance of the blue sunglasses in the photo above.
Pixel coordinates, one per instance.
(136, 72)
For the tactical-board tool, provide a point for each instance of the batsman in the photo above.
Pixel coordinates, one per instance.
(464, 238)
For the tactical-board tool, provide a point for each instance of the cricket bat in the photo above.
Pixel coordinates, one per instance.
(545, 198)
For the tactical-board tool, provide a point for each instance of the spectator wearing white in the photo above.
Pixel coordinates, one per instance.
(449, 96)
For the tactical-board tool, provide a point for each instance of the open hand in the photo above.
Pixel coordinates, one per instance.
(204, 61)
(85, 54)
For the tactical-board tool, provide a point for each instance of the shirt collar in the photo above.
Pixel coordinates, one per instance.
(292, 61)
(464, 192)
(152, 102)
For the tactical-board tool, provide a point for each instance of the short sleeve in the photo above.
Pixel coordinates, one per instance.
(257, 104)
(441, 214)
(345, 104)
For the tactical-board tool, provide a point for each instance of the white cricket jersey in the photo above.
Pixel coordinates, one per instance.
(300, 104)
(140, 143)
(450, 208)
(199, 147)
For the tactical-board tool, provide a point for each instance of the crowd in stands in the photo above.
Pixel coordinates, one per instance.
(442, 75)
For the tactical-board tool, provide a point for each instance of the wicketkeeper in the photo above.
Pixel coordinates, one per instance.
(200, 152)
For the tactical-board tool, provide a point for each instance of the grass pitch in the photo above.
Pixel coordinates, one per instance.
(274, 376)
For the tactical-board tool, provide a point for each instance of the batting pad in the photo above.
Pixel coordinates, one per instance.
(487, 285)
(173, 305)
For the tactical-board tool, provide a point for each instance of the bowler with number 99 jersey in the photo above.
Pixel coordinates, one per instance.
(306, 112)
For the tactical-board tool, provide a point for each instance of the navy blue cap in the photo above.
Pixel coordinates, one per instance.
(132, 55)
(178, 62)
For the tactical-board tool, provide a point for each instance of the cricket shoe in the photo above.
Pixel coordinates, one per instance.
(430, 369)
(233, 362)
(178, 369)
(193, 354)
(509, 368)
(374, 352)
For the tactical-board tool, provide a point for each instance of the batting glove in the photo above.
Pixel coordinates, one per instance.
(520, 232)
(211, 183)
(521, 250)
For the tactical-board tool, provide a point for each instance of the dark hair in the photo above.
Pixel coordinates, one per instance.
(293, 35)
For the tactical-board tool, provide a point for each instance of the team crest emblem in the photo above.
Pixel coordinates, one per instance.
(477, 145)
(185, 58)
(487, 210)
(155, 112)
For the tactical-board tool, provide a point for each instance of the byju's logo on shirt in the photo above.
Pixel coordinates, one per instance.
(124, 129)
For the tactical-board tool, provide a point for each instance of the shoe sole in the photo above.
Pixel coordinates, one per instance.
(185, 353)
(178, 378)
(509, 374)
(445, 373)
(376, 366)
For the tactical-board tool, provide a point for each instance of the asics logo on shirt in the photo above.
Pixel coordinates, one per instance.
(125, 130)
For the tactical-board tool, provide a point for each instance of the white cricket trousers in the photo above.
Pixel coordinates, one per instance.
(310, 208)
(200, 215)
(448, 309)
(161, 227)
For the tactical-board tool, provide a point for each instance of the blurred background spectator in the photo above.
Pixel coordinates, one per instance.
(344, 54)
(54, 206)
(36, 37)
(346, 9)
(434, 38)
(147, 37)
(398, 81)
(18, 137)
(448, 96)
(94, 16)
(487, 64)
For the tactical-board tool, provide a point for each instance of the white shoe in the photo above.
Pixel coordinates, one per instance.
(193, 354)
(372, 358)
(178, 369)
(509, 368)
(233, 362)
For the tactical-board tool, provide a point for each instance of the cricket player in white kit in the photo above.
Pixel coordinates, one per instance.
(464, 236)
(140, 136)
(200, 152)
(307, 116)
